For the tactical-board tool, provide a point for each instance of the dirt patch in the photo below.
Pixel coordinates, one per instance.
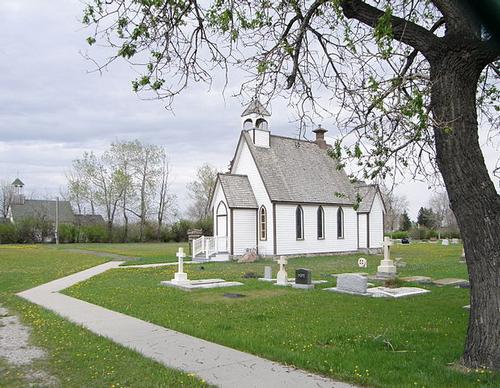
(18, 352)
(249, 295)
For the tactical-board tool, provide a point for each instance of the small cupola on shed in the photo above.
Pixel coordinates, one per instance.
(254, 119)
(17, 192)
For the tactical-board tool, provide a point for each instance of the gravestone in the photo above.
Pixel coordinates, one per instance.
(268, 274)
(450, 282)
(454, 240)
(386, 269)
(362, 262)
(282, 276)
(303, 279)
(182, 282)
(417, 279)
(445, 242)
(180, 276)
(399, 292)
(350, 284)
(462, 258)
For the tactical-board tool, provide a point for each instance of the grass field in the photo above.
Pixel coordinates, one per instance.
(76, 357)
(374, 342)
(149, 252)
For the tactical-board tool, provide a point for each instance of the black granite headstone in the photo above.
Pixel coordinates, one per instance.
(303, 276)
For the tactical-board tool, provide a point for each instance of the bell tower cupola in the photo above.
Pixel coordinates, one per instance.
(255, 122)
(18, 192)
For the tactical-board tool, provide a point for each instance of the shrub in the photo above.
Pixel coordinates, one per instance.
(8, 234)
(68, 233)
(179, 230)
(93, 234)
(398, 235)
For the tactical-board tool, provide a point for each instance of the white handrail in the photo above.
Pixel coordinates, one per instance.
(209, 245)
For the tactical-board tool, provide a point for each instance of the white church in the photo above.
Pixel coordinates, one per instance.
(284, 196)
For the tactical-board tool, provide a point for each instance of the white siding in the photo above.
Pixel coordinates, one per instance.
(245, 165)
(244, 229)
(363, 230)
(261, 138)
(218, 197)
(377, 223)
(285, 231)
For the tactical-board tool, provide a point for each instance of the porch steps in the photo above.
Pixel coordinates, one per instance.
(217, 257)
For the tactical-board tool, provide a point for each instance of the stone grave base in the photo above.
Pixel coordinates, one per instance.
(199, 284)
(303, 286)
(349, 273)
(450, 282)
(341, 291)
(291, 282)
(400, 292)
(417, 279)
(381, 276)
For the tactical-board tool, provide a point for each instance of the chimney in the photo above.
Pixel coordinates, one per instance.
(320, 138)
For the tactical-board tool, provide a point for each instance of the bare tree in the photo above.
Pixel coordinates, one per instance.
(409, 78)
(104, 184)
(165, 200)
(199, 192)
(440, 205)
(395, 206)
(6, 193)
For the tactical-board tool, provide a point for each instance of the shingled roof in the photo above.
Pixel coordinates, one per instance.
(255, 106)
(300, 172)
(367, 195)
(238, 191)
(35, 208)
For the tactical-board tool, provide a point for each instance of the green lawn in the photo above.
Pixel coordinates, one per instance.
(150, 252)
(375, 342)
(76, 357)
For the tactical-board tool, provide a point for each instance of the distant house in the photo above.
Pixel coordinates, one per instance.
(45, 210)
(88, 219)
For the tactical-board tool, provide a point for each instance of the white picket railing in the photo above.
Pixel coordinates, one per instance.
(209, 246)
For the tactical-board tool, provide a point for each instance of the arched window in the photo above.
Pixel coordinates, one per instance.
(248, 124)
(261, 124)
(221, 209)
(299, 223)
(221, 220)
(321, 223)
(340, 223)
(263, 223)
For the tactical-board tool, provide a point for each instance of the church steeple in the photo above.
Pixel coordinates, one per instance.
(18, 194)
(255, 123)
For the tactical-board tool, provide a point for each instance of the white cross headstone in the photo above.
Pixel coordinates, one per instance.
(386, 267)
(387, 248)
(282, 276)
(180, 276)
(362, 262)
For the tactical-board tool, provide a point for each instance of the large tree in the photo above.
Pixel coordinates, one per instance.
(407, 79)
(200, 190)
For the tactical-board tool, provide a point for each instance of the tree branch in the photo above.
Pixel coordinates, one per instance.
(403, 30)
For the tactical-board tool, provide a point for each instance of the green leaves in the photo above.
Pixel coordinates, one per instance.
(383, 33)
(91, 40)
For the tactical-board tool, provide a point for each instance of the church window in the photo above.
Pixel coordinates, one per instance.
(321, 223)
(340, 223)
(263, 223)
(299, 223)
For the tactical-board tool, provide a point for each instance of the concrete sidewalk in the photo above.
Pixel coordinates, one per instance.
(216, 364)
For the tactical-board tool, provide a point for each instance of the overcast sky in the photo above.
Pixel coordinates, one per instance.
(52, 109)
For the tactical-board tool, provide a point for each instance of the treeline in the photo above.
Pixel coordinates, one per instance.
(129, 182)
(33, 230)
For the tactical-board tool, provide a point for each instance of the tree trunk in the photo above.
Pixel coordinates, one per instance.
(473, 198)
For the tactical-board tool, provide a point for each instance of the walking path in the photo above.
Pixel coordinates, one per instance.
(216, 364)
